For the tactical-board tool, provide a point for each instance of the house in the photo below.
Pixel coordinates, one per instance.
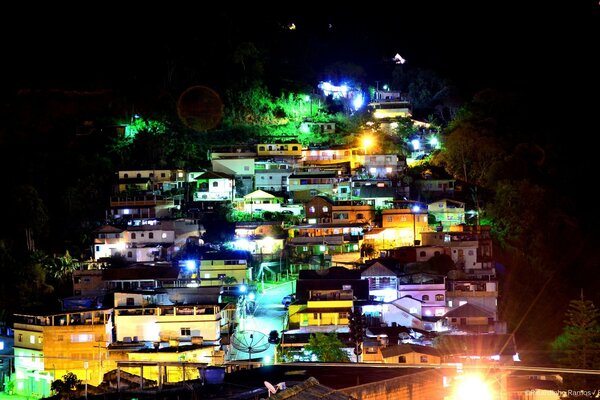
(314, 183)
(430, 289)
(410, 354)
(486, 348)
(215, 266)
(142, 206)
(214, 186)
(272, 175)
(436, 187)
(324, 307)
(469, 246)
(342, 157)
(241, 168)
(480, 293)
(402, 225)
(109, 240)
(383, 281)
(383, 165)
(47, 346)
(259, 201)
(334, 278)
(470, 318)
(447, 212)
(136, 319)
(283, 150)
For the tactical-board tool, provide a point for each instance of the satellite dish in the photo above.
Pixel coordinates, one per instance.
(200, 108)
(272, 389)
(250, 342)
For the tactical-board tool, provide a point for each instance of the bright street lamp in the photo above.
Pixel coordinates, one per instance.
(367, 141)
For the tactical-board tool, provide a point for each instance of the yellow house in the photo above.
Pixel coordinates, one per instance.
(324, 307)
(49, 346)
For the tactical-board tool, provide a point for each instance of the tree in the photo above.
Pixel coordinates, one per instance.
(579, 344)
(327, 347)
(66, 385)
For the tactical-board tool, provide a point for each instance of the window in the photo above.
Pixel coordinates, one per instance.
(97, 248)
(164, 235)
(422, 254)
(32, 339)
(151, 235)
(1, 345)
(413, 310)
(360, 216)
(390, 218)
(126, 176)
(425, 297)
(402, 359)
(151, 174)
(186, 331)
(40, 340)
(423, 359)
(215, 184)
(139, 175)
(82, 338)
(371, 350)
(162, 175)
(294, 148)
(316, 315)
(133, 235)
(129, 254)
(470, 252)
(20, 338)
(325, 209)
(439, 297)
(246, 168)
(261, 148)
(60, 338)
(311, 209)
(130, 301)
(449, 303)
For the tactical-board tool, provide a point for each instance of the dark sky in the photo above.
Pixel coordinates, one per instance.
(502, 44)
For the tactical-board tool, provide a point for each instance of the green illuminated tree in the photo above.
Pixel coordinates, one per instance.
(578, 346)
(327, 347)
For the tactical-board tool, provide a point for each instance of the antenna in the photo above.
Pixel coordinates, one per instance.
(270, 388)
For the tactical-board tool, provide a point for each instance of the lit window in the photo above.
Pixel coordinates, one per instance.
(372, 170)
(1, 345)
(207, 275)
(423, 359)
(462, 303)
(439, 297)
(325, 208)
(311, 209)
(388, 170)
(164, 235)
(413, 310)
(449, 303)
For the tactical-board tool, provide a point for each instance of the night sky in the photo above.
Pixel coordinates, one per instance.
(500, 44)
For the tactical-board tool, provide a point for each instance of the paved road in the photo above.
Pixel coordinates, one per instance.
(269, 315)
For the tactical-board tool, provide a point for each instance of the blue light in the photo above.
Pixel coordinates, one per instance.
(190, 265)
(251, 296)
(243, 289)
(416, 144)
(358, 101)
(416, 209)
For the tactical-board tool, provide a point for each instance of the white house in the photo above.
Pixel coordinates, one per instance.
(214, 186)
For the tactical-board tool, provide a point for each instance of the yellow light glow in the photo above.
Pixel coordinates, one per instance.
(367, 141)
(472, 387)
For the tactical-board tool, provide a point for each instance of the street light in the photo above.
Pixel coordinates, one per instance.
(415, 210)
(367, 141)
